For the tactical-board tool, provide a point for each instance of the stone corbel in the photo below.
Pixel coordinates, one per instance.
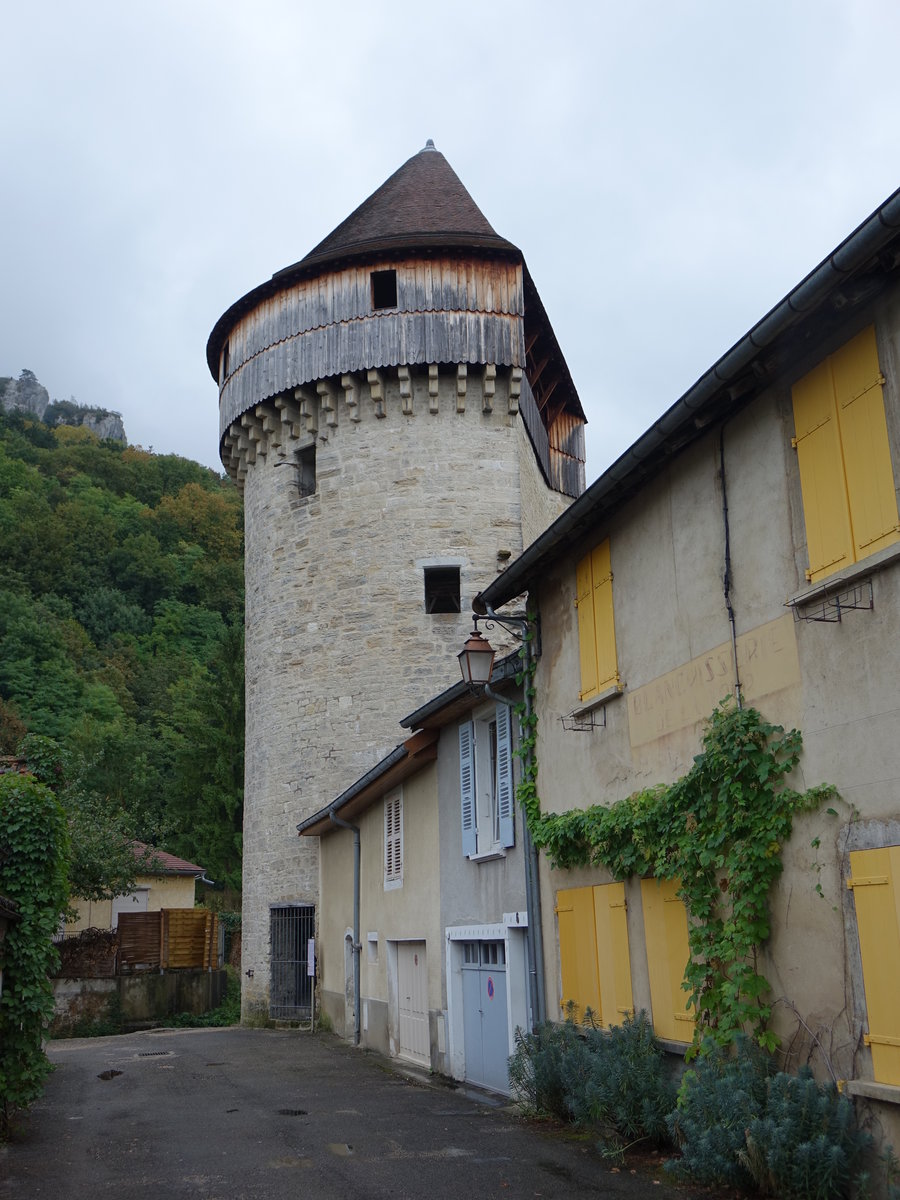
(351, 396)
(432, 387)
(309, 409)
(490, 383)
(376, 390)
(462, 375)
(254, 433)
(515, 389)
(246, 446)
(406, 390)
(270, 420)
(291, 421)
(328, 400)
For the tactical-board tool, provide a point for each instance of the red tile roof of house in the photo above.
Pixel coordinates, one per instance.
(160, 862)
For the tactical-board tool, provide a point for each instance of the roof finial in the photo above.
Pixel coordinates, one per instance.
(429, 145)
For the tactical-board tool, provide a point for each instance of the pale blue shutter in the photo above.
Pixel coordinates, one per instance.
(505, 789)
(467, 786)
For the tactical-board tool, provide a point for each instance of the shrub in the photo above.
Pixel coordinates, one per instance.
(536, 1068)
(613, 1081)
(627, 1093)
(807, 1143)
(740, 1123)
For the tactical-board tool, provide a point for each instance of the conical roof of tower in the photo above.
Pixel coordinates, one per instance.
(423, 205)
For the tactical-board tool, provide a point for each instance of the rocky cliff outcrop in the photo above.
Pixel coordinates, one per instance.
(28, 395)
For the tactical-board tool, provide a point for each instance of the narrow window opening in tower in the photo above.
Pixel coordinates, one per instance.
(225, 363)
(384, 289)
(442, 590)
(306, 475)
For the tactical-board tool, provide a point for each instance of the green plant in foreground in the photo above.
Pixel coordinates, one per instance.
(33, 852)
(612, 1081)
(738, 1122)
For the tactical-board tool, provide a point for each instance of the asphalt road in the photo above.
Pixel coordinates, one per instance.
(254, 1114)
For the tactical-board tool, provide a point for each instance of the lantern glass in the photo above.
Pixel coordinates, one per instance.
(476, 659)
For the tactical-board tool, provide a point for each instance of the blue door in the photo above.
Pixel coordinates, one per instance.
(485, 1019)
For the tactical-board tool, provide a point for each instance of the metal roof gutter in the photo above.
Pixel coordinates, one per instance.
(863, 244)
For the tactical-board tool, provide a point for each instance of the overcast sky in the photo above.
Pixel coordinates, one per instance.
(670, 170)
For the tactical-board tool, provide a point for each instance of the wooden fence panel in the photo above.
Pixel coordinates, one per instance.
(190, 938)
(171, 939)
(140, 939)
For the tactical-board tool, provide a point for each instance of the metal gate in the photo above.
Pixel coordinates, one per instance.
(290, 992)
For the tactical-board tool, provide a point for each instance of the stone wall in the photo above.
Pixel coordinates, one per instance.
(134, 999)
(412, 471)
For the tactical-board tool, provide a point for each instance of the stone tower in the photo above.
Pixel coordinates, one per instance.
(398, 413)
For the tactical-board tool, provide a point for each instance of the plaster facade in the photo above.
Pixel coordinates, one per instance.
(163, 891)
(820, 657)
(445, 902)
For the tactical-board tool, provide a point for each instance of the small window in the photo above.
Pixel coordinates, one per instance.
(384, 289)
(393, 841)
(486, 783)
(225, 363)
(306, 475)
(442, 590)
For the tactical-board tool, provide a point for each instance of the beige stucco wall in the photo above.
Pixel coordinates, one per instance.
(410, 912)
(164, 891)
(836, 682)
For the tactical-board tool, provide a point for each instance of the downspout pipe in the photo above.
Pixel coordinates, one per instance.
(356, 947)
(534, 936)
(726, 577)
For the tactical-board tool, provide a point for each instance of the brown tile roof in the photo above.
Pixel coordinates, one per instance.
(423, 204)
(160, 862)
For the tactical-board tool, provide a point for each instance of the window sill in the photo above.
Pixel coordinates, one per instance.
(870, 1090)
(603, 697)
(858, 570)
(487, 856)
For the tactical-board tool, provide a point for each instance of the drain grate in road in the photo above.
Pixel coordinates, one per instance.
(292, 1112)
(154, 1053)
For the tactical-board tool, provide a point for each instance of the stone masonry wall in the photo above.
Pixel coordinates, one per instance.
(339, 646)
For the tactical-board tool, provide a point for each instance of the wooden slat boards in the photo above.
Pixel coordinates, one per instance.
(170, 939)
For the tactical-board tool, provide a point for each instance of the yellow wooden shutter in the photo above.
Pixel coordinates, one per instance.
(864, 440)
(587, 642)
(578, 952)
(875, 876)
(613, 959)
(825, 504)
(604, 625)
(666, 936)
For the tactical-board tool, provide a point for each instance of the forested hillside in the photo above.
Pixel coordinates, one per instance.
(121, 630)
